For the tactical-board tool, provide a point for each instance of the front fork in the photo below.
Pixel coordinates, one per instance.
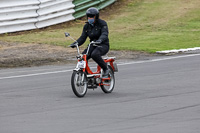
(80, 79)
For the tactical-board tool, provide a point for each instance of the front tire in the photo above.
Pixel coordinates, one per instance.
(79, 83)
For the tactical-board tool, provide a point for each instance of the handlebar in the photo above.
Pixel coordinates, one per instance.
(76, 43)
(93, 42)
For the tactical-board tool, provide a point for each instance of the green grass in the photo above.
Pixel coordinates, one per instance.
(141, 25)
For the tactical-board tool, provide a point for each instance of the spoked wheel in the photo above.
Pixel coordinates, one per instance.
(79, 83)
(108, 85)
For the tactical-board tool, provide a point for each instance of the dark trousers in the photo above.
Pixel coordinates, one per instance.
(95, 52)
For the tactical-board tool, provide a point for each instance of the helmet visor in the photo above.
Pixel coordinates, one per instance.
(90, 15)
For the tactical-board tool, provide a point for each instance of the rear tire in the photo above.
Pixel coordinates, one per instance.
(79, 83)
(108, 89)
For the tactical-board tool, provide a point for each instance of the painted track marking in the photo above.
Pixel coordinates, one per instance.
(63, 71)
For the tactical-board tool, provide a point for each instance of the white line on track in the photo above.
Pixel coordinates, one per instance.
(137, 62)
(36, 74)
(162, 59)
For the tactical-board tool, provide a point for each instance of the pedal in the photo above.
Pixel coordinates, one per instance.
(107, 57)
(90, 75)
(92, 86)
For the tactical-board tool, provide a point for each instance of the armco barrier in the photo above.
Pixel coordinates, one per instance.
(82, 5)
(54, 11)
(20, 15)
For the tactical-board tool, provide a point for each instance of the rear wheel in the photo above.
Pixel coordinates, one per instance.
(108, 85)
(79, 83)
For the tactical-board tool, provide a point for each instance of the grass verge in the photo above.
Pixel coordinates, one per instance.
(140, 25)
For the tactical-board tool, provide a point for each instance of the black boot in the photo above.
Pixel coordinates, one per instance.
(105, 73)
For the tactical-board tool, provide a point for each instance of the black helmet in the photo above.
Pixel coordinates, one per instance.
(91, 12)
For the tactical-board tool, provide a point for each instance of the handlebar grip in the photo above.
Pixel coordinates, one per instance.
(73, 45)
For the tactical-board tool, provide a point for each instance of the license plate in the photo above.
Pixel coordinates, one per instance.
(81, 64)
(115, 67)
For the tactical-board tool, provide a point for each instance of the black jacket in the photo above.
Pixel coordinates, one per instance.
(97, 32)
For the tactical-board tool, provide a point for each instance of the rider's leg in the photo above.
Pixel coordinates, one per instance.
(96, 56)
(89, 53)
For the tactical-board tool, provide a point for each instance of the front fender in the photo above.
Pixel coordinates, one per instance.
(77, 69)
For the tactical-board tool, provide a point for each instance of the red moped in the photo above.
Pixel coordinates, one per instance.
(83, 78)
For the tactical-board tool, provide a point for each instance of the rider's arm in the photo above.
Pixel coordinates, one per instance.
(104, 31)
(83, 36)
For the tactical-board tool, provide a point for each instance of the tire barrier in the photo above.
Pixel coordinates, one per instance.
(20, 15)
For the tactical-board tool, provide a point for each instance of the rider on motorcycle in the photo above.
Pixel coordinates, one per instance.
(97, 30)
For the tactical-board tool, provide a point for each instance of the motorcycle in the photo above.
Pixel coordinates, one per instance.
(83, 78)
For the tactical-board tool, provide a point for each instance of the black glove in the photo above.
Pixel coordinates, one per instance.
(73, 45)
(98, 41)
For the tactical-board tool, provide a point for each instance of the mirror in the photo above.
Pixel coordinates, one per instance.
(67, 34)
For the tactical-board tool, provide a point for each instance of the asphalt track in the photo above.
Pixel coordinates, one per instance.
(158, 95)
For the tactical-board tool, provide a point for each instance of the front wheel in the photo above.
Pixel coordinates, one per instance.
(79, 83)
(108, 85)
